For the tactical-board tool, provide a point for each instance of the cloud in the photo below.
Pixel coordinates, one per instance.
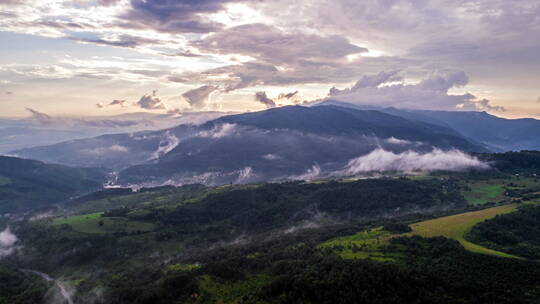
(312, 173)
(396, 141)
(271, 156)
(115, 102)
(166, 145)
(172, 16)
(150, 102)
(126, 41)
(244, 175)
(219, 131)
(485, 104)
(272, 45)
(198, 97)
(373, 81)
(287, 95)
(430, 93)
(42, 118)
(262, 98)
(279, 57)
(107, 2)
(7, 242)
(115, 148)
(410, 161)
(47, 120)
(183, 54)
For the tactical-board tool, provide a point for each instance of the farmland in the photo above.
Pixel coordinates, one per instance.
(363, 245)
(457, 226)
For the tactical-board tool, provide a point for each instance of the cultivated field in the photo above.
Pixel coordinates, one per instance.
(457, 226)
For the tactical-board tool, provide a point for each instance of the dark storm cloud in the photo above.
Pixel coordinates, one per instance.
(262, 98)
(173, 16)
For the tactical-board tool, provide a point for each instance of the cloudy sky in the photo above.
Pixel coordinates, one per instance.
(105, 57)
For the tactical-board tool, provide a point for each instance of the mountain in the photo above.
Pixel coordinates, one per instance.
(289, 143)
(41, 129)
(279, 143)
(496, 133)
(28, 184)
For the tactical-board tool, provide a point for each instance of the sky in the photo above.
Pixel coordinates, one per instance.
(108, 57)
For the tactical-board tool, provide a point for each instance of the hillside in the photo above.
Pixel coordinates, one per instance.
(280, 242)
(497, 133)
(28, 185)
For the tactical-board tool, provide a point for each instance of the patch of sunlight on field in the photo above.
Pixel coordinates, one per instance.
(457, 226)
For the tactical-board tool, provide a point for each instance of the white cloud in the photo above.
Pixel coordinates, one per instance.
(312, 173)
(115, 148)
(430, 93)
(219, 131)
(396, 141)
(271, 156)
(410, 161)
(166, 144)
(7, 242)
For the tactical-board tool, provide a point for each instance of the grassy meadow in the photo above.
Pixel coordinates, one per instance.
(457, 226)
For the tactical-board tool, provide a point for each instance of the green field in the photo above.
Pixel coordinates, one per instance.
(457, 226)
(485, 191)
(493, 190)
(363, 245)
(90, 223)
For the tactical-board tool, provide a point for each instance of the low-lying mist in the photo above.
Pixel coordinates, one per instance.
(7, 242)
(410, 161)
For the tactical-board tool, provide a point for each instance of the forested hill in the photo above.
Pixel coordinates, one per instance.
(29, 184)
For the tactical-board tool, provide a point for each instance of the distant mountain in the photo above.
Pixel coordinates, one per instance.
(289, 142)
(496, 133)
(42, 129)
(28, 184)
(279, 143)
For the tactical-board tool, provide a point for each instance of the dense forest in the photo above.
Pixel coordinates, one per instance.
(517, 233)
(268, 243)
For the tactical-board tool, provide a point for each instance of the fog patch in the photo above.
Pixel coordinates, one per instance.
(7, 242)
(410, 161)
(396, 141)
(244, 175)
(166, 144)
(311, 174)
(219, 131)
(115, 148)
(271, 156)
(42, 215)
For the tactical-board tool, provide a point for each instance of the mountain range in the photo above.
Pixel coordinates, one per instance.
(292, 142)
